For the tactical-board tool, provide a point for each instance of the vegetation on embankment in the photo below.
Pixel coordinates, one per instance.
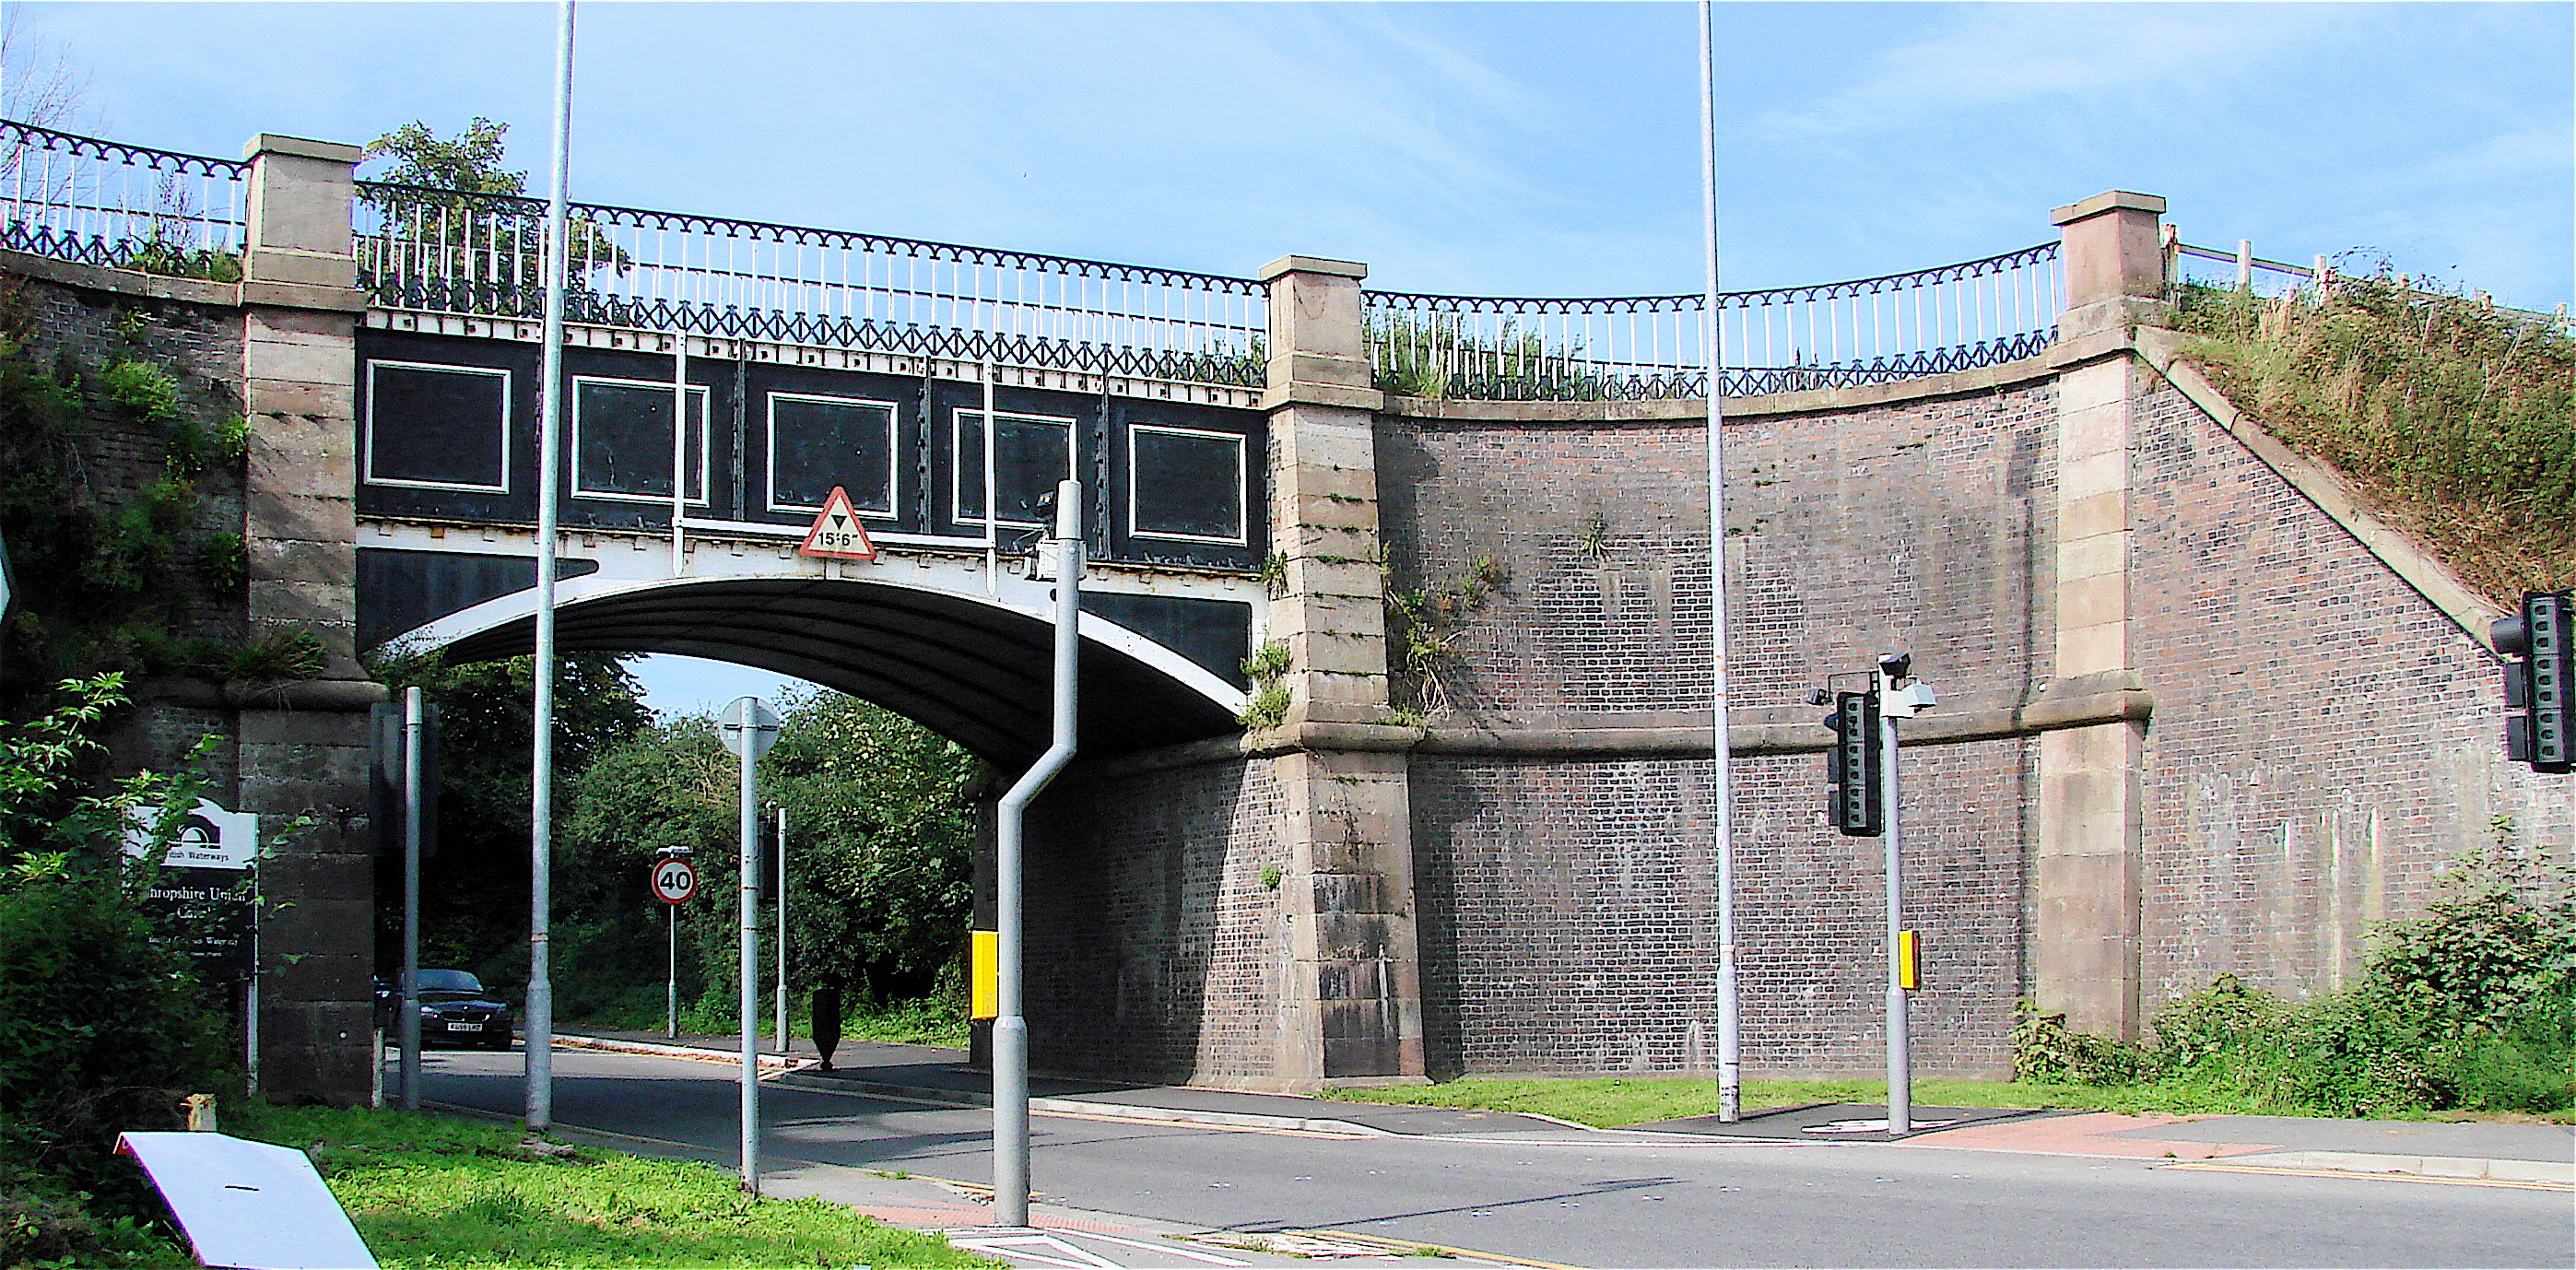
(2455, 418)
(104, 1026)
(2468, 1009)
(428, 1191)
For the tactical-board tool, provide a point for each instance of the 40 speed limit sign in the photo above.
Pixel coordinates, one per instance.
(674, 881)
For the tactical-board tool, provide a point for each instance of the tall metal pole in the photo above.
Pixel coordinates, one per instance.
(408, 1027)
(781, 945)
(671, 971)
(749, 893)
(1010, 1028)
(1900, 1058)
(1730, 1032)
(541, 786)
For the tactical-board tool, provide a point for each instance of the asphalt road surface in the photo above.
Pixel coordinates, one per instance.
(1577, 1203)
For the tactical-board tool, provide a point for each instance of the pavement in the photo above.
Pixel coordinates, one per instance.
(2520, 1156)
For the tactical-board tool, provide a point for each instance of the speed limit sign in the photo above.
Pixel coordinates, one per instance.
(674, 881)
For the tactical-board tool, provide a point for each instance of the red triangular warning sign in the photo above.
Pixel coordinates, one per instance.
(837, 533)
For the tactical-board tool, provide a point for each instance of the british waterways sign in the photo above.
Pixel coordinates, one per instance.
(206, 895)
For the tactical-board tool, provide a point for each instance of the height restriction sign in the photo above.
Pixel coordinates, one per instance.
(674, 881)
(837, 533)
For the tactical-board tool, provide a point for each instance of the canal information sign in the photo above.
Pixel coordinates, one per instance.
(206, 895)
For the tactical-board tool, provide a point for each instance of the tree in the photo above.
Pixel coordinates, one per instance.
(880, 858)
(455, 231)
(471, 163)
(474, 911)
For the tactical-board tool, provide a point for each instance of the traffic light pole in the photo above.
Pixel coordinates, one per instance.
(749, 728)
(1900, 1054)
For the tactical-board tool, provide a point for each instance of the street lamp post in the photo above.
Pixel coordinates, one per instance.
(749, 728)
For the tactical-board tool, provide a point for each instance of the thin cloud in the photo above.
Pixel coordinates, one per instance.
(2516, 155)
(2022, 55)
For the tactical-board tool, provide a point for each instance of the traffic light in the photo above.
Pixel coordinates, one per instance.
(2540, 681)
(1854, 797)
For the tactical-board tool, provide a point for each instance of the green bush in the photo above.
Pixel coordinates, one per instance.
(43, 1231)
(103, 1026)
(2045, 1049)
(2471, 1006)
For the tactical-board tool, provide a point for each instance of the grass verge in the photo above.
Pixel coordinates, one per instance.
(1610, 1101)
(431, 1192)
(930, 1021)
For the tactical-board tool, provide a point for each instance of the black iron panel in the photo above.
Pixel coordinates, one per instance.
(450, 426)
(1168, 482)
(400, 591)
(1214, 634)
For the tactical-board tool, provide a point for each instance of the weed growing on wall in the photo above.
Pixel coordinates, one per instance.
(2454, 416)
(173, 261)
(1439, 356)
(1268, 668)
(1422, 627)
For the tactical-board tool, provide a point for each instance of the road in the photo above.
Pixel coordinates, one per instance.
(1580, 1203)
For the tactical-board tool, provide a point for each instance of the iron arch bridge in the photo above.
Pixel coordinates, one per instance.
(683, 539)
(972, 667)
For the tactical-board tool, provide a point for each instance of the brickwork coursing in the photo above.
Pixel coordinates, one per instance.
(1567, 903)
(1569, 914)
(1155, 949)
(1589, 621)
(2325, 739)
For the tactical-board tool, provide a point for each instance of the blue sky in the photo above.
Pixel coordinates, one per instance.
(1508, 149)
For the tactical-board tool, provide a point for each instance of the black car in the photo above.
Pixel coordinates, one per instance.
(454, 1010)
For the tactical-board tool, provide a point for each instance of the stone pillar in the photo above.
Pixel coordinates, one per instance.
(2114, 261)
(304, 745)
(2085, 937)
(1354, 986)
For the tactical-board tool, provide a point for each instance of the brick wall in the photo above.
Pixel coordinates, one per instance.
(1568, 903)
(2299, 785)
(119, 456)
(1155, 949)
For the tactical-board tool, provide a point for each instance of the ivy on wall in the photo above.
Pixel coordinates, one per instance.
(107, 579)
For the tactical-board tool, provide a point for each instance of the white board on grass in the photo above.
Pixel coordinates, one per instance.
(249, 1205)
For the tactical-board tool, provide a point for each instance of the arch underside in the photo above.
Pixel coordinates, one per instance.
(974, 672)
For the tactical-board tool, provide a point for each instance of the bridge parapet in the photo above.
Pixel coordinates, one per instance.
(476, 254)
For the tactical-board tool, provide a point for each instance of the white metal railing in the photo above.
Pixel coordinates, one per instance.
(2186, 265)
(1867, 330)
(126, 207)
(443, 251)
